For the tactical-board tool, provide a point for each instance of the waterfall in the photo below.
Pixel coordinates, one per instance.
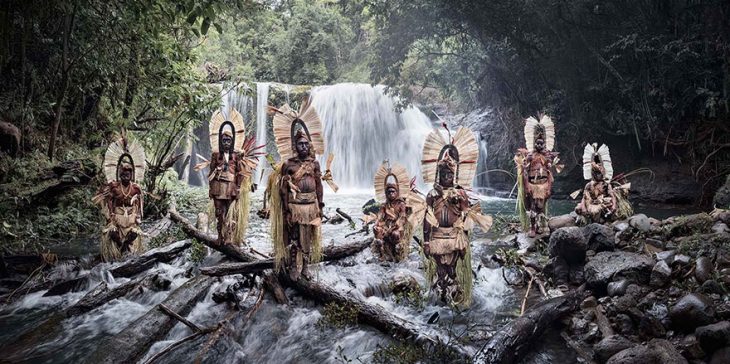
(482, 179)
(262, 101)
(362, 128)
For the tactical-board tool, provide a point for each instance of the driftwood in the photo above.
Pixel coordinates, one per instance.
(135, 340)
(330, 253)
(514, 340)
(127, 269)
(229, 250)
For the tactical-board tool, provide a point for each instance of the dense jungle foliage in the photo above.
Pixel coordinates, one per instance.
(73, 73)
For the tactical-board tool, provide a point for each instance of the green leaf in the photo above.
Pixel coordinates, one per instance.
(204, 27)
(218, 28)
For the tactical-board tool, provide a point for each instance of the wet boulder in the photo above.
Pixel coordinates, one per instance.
(720, 227)
(691, 311)
(640, 222)
(656, 351)
(404, 284)
(609, 266)
(599, 237)
(690, 347)
(713, 336)
(722, 196)
(660, 274)
(609, 346)
(557, 222)
(617, 288)
(703, 269)
(568, 243)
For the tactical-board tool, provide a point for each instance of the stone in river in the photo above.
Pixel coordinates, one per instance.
(691, 311)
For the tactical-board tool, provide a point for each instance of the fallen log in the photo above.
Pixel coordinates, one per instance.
(126, 269)
(135, 340)
(378, 317)
(330, 253)
(229, 250)
(514, 340)
(368, 314)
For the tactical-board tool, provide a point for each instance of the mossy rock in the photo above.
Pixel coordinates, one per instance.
(686, 225)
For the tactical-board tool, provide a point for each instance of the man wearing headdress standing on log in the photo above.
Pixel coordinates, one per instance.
(231, 165)
(534, 172)
(121, 199)
(297, 219)
(450, 165)
(398, 214)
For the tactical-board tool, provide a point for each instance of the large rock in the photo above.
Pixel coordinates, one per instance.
(722, 196)
(691, 311)
(657, 351)
(660, 274)
(9, 138)
(557, 222)
(568, 243)
(609, 266)
(714, 336)
(599, 237)
(609, 346)
(640, 222)
(703, 269)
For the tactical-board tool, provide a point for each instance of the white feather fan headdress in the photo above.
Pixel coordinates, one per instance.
(219, 125)
(383, 176)
(534, 128)
(124, 150)
(462, 148)
(599, 155)
(286, 124)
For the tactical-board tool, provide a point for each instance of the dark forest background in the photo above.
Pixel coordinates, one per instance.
(649, 77)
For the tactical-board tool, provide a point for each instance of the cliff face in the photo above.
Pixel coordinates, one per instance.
(669, 181)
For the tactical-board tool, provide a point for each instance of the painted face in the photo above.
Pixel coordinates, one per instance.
(302, 147)
(446, 177)
(539, 145)
(597, 174)
(391, 193)
(125, 175)
(226, 142)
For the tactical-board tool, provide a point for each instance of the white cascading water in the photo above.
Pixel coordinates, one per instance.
(362, 128)
(482, 179)
(262, 101)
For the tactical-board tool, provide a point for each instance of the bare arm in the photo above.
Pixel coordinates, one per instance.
(318, 183)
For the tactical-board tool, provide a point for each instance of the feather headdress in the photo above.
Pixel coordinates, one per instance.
(121, 151)
(219, 125)
(599, 155)
(286, 124)
(462, 148)
(383, 176)
(544, 128)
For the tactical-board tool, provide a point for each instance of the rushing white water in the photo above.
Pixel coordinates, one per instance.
(262, 101)
(482, 178)
(362, 128)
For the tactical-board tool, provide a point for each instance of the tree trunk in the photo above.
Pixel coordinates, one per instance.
(63, 87)
(135, 340)
(513, 341)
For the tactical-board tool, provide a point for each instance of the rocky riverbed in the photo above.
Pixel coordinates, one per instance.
(658, 289)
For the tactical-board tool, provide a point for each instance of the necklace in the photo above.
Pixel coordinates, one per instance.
(128, 193)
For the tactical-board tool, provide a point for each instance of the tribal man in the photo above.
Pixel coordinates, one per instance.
(231, 165)
(121, 200)
(534, 172)
(604, 197)
(392, 228)
(297, 219)
(450, 215)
